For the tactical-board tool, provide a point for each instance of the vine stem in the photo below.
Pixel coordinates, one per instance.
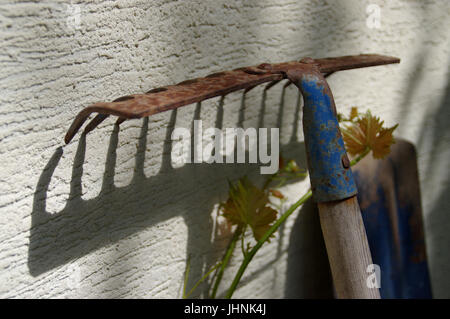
(186, 275)
(249, 256)
(360, 157)
(201, 280)
(258, 245)
(225, 261)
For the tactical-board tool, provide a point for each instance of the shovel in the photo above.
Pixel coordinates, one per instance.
(389, 197)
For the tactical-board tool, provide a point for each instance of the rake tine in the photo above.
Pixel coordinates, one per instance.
(271, 84)
(76, 124)
(101, 108)
(120, 120)
(99, 118)
(287, 84)
(95, 122)
(250, 88)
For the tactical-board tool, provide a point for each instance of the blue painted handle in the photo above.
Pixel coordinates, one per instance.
(328, 164)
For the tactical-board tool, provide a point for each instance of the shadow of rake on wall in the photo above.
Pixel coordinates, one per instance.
(83, 226)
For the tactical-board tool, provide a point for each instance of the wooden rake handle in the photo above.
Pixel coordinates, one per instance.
(347, 248)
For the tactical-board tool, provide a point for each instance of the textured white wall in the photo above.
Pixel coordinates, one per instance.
(107, 216)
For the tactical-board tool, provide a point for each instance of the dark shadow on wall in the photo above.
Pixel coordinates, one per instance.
(437, 219)
(308, 271)
(84, 226)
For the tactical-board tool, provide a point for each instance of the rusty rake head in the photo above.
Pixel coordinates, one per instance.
(218, 84)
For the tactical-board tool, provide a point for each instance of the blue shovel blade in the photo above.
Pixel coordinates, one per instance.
(389, 196)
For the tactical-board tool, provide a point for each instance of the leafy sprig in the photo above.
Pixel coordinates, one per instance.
(365, 131)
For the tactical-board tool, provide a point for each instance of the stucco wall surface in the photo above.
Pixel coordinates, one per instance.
(109, 216)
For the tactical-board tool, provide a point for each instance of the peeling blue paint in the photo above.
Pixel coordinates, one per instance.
(330, 174)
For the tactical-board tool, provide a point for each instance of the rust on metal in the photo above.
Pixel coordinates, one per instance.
(326, 156)
(345, 161)
(217, 84)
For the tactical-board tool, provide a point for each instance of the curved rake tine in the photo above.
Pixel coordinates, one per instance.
(287, 84)
(101, 117)
(104, 110)
(250, 88)
(271, 84)
(95, 122)
(77, 123)
(120, 120)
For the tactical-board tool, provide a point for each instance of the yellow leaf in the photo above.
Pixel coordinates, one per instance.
(354, 139)
(261, 221)
(368, 132)
(230, 212)
(249, 205)
(382, 145)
